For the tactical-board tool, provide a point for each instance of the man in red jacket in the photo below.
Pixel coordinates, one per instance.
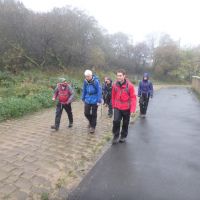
(124, 105)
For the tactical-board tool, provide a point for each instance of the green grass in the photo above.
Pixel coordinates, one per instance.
(28, 92)
(60, 182)
(13, 107)
(44, 196)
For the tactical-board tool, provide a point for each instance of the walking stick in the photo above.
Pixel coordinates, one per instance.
(101, 110)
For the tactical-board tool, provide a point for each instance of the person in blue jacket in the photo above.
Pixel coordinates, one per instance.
(145, 91)
(91, 96)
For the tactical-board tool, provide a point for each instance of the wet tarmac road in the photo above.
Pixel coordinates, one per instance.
(159, 161)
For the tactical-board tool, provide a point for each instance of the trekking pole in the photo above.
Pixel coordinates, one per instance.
(101, 110)
(102, 102)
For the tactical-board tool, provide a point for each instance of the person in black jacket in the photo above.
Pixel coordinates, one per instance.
(107, 94)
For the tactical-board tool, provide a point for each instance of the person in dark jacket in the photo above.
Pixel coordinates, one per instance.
(103, 89)
(65, 95)
(107, 94)
(91, 96)
(124, 104)
(145, 91)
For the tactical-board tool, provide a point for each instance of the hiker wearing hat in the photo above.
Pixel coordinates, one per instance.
(124, 105)
(145, 90)
(107, 94)
(91, 96)
(65, 95)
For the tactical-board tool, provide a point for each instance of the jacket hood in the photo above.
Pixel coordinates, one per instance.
(109, 79)
(146, 75)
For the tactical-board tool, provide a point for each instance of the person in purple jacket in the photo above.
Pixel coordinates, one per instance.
(145, 91)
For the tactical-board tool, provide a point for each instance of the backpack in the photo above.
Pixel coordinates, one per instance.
(95, 77)
(126, 89)
(63, 92)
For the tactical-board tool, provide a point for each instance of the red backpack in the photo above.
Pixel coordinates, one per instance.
(63, 92)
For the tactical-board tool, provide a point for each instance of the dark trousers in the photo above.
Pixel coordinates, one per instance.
(143, 101)
(118, 116)
(59, 109)
(110, 109)
(90, 112)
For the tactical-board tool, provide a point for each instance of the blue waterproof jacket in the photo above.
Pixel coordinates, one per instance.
(145, 87)
(92, 92)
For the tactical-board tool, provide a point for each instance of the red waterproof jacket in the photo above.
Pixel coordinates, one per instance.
(123, 96)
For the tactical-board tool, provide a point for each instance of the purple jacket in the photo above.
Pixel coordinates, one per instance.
(145, 87)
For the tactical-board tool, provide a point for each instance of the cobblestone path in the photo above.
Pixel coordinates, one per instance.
(38, 163)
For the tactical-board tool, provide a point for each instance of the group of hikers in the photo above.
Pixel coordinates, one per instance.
(118, 96)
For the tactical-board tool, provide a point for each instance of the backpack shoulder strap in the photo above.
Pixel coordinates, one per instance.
(93, 83)
(127, 88)
(115, 86)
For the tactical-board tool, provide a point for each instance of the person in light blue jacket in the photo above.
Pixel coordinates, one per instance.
(91, 96)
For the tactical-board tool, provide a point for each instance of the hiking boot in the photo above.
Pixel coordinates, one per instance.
(54, 127)
(92, 130)
(115, 140)
(70, 125)
(122, 140)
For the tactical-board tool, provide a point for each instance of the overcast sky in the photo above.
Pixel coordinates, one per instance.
(178, 18)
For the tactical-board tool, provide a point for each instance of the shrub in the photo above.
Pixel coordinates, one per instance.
(13, 107)
(29, 92)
